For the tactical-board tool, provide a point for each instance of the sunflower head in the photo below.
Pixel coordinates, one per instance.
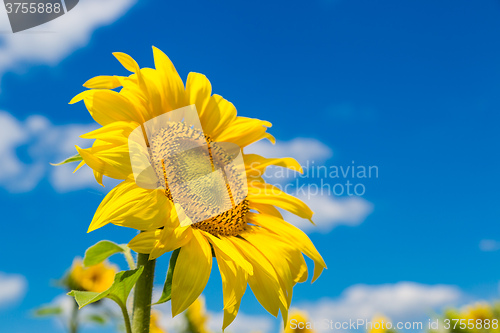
(95, 278)
(189, 186)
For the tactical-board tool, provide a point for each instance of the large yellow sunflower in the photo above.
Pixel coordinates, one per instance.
(251, 241)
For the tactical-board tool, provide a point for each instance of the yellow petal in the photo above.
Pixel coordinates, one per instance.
(227, 113)
(108, 106)
(131, 206)
(173, 88)
(226, 247)
(265, 209)
(155, 92)
(244, 131)
(171, 239)
(263, 193)
(234, 283)
(81, 96)
(279, 255)
(291, 234)
(127, 61)
(198, 91)
(256, 164)
(145, 241)
(103, 82)
(108, 159)
(298, 266)
(116, 132)
(191, 272)
(82, 163)
(264, 281)
(98, 177)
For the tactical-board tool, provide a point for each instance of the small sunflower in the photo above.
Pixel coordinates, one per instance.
(251, 241)
(379, 324)
(154, 327)
(299, 322)
(97, 278)
(196, 317)
(477, 311)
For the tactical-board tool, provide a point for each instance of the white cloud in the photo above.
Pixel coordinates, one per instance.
(304, 150)
(399, 302)
(330, 212)
(12, 288)
(489, 245)
(40, 143)
(58, 38)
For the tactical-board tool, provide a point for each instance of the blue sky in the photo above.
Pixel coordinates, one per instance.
(411, 87)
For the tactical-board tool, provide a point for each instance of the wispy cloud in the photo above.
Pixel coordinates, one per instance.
(12, 288)
(489, 245)
(59, 37)
(331, 212)
(302, 149)
(28, 147)
(399, 301)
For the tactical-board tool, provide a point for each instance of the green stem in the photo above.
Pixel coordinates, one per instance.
(126, 318)
(143, 294)
(73, 320)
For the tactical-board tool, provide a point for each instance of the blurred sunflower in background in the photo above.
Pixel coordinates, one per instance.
(252, 242)
(197, 317)
(379, 325)
(478, 310)
(299, 322)
(97, 278)
(154, 326)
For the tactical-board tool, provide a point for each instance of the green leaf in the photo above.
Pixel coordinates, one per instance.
(48, 310)
(167, 287)
(97, 319)
(101, 251)
(75, 158)
(118, 292)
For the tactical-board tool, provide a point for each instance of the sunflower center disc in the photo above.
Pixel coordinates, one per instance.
(197, 173)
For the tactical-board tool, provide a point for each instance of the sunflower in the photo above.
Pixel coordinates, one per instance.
(479, 311)
(250, 240)
(379, 324)
(196, 317)
(154, 326)
(299, 322)
(95, 278)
